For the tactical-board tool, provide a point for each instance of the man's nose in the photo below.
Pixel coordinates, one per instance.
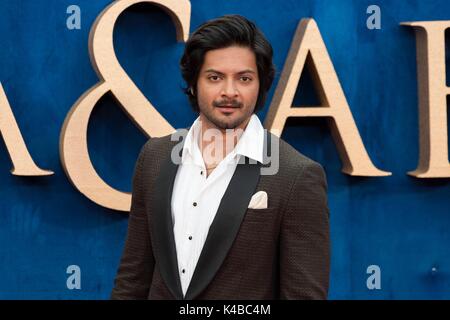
(229, 89)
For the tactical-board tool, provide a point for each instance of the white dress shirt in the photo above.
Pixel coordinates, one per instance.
(196, 198)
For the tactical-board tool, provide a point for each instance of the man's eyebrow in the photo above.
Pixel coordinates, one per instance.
(221, 73)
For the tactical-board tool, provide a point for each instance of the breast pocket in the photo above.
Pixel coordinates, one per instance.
(262, 224)
(261, 216)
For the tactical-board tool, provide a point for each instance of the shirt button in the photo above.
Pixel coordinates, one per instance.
(201, 172)
(194, 204)
(183, 271)
(190, 237)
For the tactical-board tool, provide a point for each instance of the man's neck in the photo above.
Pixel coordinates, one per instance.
(215, 143)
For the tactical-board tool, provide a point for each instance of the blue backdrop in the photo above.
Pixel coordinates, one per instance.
(400, 223)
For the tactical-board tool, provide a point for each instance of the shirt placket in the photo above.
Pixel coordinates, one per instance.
(192, 219)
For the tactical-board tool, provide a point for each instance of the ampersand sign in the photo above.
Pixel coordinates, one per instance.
(73, 141)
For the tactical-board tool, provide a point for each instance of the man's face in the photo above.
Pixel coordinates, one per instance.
(227, 87)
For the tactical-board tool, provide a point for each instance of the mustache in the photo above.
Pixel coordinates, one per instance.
(222, 103)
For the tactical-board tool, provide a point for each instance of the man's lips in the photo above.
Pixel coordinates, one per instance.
(227, 108)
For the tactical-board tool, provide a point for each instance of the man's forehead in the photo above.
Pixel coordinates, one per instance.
(230, 60)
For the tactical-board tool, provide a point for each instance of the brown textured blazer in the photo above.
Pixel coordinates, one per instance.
(282, 252)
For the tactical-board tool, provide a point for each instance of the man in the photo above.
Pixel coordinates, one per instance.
(213, 226)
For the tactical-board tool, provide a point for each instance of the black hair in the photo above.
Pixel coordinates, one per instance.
(221, 33)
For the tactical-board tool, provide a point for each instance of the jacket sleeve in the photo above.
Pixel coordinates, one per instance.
(304, 238)
(135, 271)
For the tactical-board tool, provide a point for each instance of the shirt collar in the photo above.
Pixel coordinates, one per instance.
(250, 144)
(190, 148)
(252, 140)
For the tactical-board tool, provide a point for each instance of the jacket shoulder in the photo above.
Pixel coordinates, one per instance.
(162, 145)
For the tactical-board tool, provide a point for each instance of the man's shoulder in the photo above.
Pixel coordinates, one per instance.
(163, 143)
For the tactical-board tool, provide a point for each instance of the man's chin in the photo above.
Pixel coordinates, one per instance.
(224, 126)
(224, 122)
(230, 124)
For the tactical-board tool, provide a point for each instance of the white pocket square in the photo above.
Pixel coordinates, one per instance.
(258, 200)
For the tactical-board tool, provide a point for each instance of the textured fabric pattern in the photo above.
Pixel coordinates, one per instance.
(282, 252)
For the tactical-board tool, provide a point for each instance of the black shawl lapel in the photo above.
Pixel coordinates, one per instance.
(162, 227)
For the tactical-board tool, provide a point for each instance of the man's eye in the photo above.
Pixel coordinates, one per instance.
(246, 79)
(213, 78)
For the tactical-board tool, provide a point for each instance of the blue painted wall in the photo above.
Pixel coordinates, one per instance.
(399, 223)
